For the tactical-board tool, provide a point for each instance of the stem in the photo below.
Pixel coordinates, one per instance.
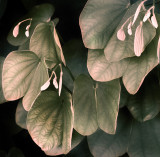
(70, 73)
(153, 2)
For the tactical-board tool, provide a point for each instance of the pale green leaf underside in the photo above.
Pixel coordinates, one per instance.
(96, 32)
(21, 115)
(95, 106)
(117, 50)
(39, 13)
(138, 139)
(18, 70)
(50, 121)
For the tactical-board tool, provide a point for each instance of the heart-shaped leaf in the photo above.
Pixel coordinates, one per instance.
(22, 72)
(96, 32)
(138, 139)
(50, 121)
(95, 105)
(102, 70)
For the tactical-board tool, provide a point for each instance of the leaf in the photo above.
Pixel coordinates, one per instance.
(21, 115)
(138, 139)
(139, 67)
(43, 43)
(39, 13)
(76, 139)
(2, 99)
(102, 70)
(95, 105)
(145, 105)
(23, 74)
(102, 144)
(117, 50)
(85, 118)
(96, 32)
(50, 121)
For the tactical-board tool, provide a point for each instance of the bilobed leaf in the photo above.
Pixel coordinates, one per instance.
(117, 50)
(138, 139)
(85, 118)
(145, 105)
(95, 105)
(96, 32)
(50, 121)
(102, 144)
(2, 98)
(108, 97)
(39, 13)
(102, 70)
(21, 115)
(21, 70)
(76, 139)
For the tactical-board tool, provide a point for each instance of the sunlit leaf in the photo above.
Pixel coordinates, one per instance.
(102, 70)
(95, 105)
(96, 32)
(50, 121)
(23, 74)
(21, 115)
(39, 13)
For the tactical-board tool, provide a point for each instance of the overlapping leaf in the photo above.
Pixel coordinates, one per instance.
(138, 139)
(21, 70)
(95, 105)
(50, 121)
(40, 13)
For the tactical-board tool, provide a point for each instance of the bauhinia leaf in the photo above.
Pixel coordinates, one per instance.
(102, 70)
(95, 105)
(21, 115)
(96, 32)
(22, 72)
(50, 121)
(138, 139)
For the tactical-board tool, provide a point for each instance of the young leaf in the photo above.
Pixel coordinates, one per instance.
(50, 121)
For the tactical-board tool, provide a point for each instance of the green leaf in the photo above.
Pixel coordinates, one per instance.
(102, 70)
(85, 118)
(21, 115)
(96, 32)
(117, 50)
(15, 152)
(50, 121)
(44, 43)
(105, 145)
(21, 70)
(145, 105)
(39, 13)
(95, 105)
(76, 139)
(138, 139)
(2, 99)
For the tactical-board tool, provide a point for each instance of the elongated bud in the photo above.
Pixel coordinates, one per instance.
(16, 30)
(147, 15)
(55, 83)
(121, 35)
(154, 21)
(138, 11)
(138, 40)
(129, 28)
(27, 33)
(158, 48)
(60, 82)
(45, 86)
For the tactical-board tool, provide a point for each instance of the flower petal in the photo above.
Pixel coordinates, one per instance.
(16, 31)
(154, 21)
(45, 86)
(121, 35)
(138, 40)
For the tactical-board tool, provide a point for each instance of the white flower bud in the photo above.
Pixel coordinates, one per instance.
(121, 35)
